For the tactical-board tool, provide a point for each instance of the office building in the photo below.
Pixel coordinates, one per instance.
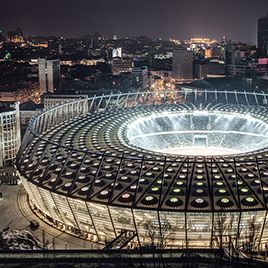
(117, 52)
(182, 69)
(207, 69)
(263, 37)
(28, 110)
(251, 70)
(9, 133)
(49, 75)
(52, 100)
(120, 65)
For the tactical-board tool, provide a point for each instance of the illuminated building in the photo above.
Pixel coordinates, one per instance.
(200, 41)
(21, 95)
(208, 52)
(41, 45)
(49, 75)
(121, 65)
(183, 171)
(252, 70)
(156, 83)
(117, 52)
(263, 37)
(15, 36)
(9, 133)
(87, 62)
(176, 41)
(161, 80)
(52, 100)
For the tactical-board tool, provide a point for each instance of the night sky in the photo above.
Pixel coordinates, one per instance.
(236, 19)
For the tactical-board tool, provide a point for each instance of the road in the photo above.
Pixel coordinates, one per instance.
(16, 214)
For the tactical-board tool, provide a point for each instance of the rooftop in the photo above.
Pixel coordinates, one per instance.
(4, 107)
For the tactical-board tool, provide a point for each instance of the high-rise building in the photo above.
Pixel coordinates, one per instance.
(53, 45)
(9, 133)
(117, 52)
(49, 75)
(10, 140)
(263, 36)
(139, 77)
(182, 69)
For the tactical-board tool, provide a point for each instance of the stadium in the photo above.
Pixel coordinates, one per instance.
(176, 169)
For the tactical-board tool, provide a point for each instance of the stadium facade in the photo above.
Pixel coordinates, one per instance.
(131, 163)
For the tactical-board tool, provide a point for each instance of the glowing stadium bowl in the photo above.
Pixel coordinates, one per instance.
(203, 133)
(184, 169)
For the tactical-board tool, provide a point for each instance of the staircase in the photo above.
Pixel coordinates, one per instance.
(121, 240)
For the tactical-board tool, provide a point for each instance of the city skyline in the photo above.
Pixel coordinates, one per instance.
(178, 19)
(134, 133)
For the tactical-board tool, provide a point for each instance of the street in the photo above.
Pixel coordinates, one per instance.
(16, 215)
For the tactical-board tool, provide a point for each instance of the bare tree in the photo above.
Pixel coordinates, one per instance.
(220, 228)
(157, 234)
(151, 232)
(251, 236)
(165, 232)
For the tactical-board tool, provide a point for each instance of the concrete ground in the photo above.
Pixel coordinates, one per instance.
(15, 213)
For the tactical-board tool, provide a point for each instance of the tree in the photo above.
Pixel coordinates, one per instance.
(220, 226)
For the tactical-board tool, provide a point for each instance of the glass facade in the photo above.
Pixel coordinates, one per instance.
(161, 229)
